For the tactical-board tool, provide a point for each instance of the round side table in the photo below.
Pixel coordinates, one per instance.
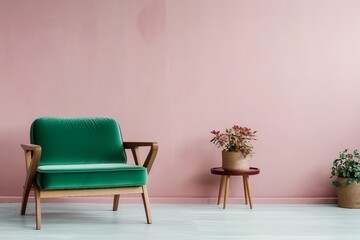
(225, 182)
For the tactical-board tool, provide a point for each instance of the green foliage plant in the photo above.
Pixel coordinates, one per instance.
(346, 166)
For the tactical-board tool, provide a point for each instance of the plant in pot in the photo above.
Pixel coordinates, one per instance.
(236, 146)
(346, 169)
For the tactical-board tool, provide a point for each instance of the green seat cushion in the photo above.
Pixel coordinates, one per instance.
(79, 176)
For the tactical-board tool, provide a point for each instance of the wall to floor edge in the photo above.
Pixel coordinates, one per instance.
(176, 200)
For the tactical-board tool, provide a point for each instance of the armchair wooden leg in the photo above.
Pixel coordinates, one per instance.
(221, 188)
(38, 208)
(146, 202)
(116, 202)
(24, 201)
(27, 188)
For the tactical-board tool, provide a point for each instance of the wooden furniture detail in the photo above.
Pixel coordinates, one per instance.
(32, 159)
(84, 156)
(225, 183)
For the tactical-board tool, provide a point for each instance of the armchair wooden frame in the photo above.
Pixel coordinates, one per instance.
(32, 159)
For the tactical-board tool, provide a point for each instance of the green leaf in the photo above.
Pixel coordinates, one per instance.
(336, 184)
(350, 181)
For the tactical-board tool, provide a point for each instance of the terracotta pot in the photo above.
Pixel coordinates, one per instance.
(234, 161)
(348, 196)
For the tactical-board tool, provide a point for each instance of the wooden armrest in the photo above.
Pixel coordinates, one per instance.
(134, 146)
(32, 156)
(129, 145)
(30, 147)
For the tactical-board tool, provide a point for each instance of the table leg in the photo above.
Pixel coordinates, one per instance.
(221, 188)
(227, 184)
(245, 192)
(248, 190)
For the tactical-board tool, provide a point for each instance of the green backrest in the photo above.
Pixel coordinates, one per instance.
(78, 140)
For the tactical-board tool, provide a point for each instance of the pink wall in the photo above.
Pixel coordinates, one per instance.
(172, 71)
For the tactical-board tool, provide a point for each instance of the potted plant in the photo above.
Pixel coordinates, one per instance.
(347, 170)
(236, 146)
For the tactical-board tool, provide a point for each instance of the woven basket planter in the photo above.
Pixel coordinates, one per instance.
(348, 196)
(234, 161)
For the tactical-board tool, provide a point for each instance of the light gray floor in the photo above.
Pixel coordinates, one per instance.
(172, 222)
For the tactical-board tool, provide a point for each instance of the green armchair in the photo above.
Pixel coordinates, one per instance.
(83, 157)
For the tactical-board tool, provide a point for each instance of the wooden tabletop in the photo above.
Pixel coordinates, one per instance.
(221, 171)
